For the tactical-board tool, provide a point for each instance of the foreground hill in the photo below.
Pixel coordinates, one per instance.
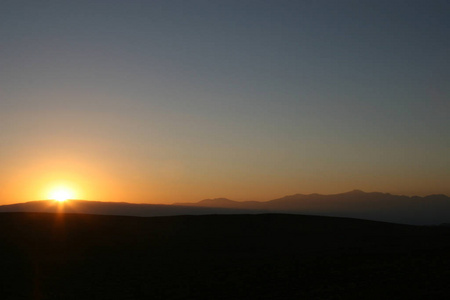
(267, 256)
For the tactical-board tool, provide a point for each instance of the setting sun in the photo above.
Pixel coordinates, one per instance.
(61, 194)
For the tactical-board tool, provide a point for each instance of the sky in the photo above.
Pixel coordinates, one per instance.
(169, 101)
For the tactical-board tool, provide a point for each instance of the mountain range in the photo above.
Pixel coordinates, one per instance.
(427, 210)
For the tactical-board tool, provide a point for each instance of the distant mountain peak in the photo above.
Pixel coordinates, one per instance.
(217, 200)
(356, 191)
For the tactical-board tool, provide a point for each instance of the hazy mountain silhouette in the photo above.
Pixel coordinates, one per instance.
(428, 210)
(432, 209)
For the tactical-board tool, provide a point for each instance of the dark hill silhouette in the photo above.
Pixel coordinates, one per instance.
(265, 256)
(115, 208)
(428, 210)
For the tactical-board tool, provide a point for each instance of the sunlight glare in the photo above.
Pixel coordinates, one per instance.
(61, 194)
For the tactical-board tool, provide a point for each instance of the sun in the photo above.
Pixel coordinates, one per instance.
(61, 194)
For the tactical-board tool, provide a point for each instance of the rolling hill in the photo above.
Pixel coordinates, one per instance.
(428, 210)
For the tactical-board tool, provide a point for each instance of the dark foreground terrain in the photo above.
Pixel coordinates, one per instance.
(269, 256)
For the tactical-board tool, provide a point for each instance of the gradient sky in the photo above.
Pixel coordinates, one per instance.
(167, 101)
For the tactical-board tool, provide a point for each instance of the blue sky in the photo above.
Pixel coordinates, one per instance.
(250, 100)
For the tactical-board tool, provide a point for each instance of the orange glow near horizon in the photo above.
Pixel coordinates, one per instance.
(60, 178)
(97, 179)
